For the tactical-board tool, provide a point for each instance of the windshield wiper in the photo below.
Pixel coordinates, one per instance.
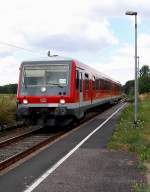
(57, 84)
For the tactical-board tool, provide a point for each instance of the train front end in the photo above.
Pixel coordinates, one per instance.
(44, 90)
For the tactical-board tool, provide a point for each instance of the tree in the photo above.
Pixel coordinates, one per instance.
(144, 80)
(144, 84)
(145, 71)
(129, 87)
(8, 89)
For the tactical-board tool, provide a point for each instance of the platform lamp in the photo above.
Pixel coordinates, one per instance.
(138, 72)
(132, 13)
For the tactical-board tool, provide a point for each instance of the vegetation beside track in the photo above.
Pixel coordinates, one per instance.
(8, 89)
(7, 109)
(131, 138)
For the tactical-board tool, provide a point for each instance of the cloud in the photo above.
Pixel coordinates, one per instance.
(144, 40)
(119, 66)
(45, 24)
(88, 36)
(81, 29)
(117, 8)
(9, 68)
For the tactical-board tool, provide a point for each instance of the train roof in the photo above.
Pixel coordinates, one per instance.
(52, 58)
(98, 73)
(63, 59)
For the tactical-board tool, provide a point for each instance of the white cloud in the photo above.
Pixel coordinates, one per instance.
(120, 66)
(144, 40)
(9, 68)
(26, 22)
(80, 27)
(100, 29)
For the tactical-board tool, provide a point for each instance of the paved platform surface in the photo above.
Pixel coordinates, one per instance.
(92, 168)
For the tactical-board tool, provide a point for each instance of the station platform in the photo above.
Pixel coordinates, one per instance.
(90, 168)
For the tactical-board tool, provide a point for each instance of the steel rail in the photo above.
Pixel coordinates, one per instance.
(18, 138)
(11, 160)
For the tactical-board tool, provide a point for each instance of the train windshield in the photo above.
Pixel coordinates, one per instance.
(49, 75)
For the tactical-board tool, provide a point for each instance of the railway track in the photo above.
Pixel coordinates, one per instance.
(17, 138)
(18, 147)
(24, 146)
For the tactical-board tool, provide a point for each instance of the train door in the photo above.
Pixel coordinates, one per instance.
(80, 89)
(87, 87)
(79, 92)
(93, 89)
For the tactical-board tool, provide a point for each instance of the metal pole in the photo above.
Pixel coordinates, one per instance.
(131, 13)
(138, 74)
(135, 87)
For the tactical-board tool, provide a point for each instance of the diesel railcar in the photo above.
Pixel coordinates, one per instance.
(58, 90)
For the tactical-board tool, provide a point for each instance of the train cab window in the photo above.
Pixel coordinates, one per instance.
(86, 81)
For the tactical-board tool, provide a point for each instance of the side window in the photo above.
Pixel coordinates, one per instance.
(77, 79)
(101, 84)
(93, 82)
(108, 85)
(86, 81)
(80, 82)
(97, 84)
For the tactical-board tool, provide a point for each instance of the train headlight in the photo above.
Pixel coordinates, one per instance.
(25, 101)
(43, 89)
(62, 101)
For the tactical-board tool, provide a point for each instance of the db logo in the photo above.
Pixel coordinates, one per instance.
(43, 100)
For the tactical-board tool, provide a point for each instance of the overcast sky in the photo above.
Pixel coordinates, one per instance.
(96, 32)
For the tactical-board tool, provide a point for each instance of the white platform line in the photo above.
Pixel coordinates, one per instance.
(56, 165)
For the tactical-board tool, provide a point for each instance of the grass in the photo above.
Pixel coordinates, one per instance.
(127, 137)
(141, 187)
(7, 109)
(135, 139)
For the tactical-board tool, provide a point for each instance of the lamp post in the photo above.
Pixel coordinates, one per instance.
(132, 13)
(138, 64)
(138, 72)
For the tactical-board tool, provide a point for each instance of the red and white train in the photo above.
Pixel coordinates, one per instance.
(58, 90)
